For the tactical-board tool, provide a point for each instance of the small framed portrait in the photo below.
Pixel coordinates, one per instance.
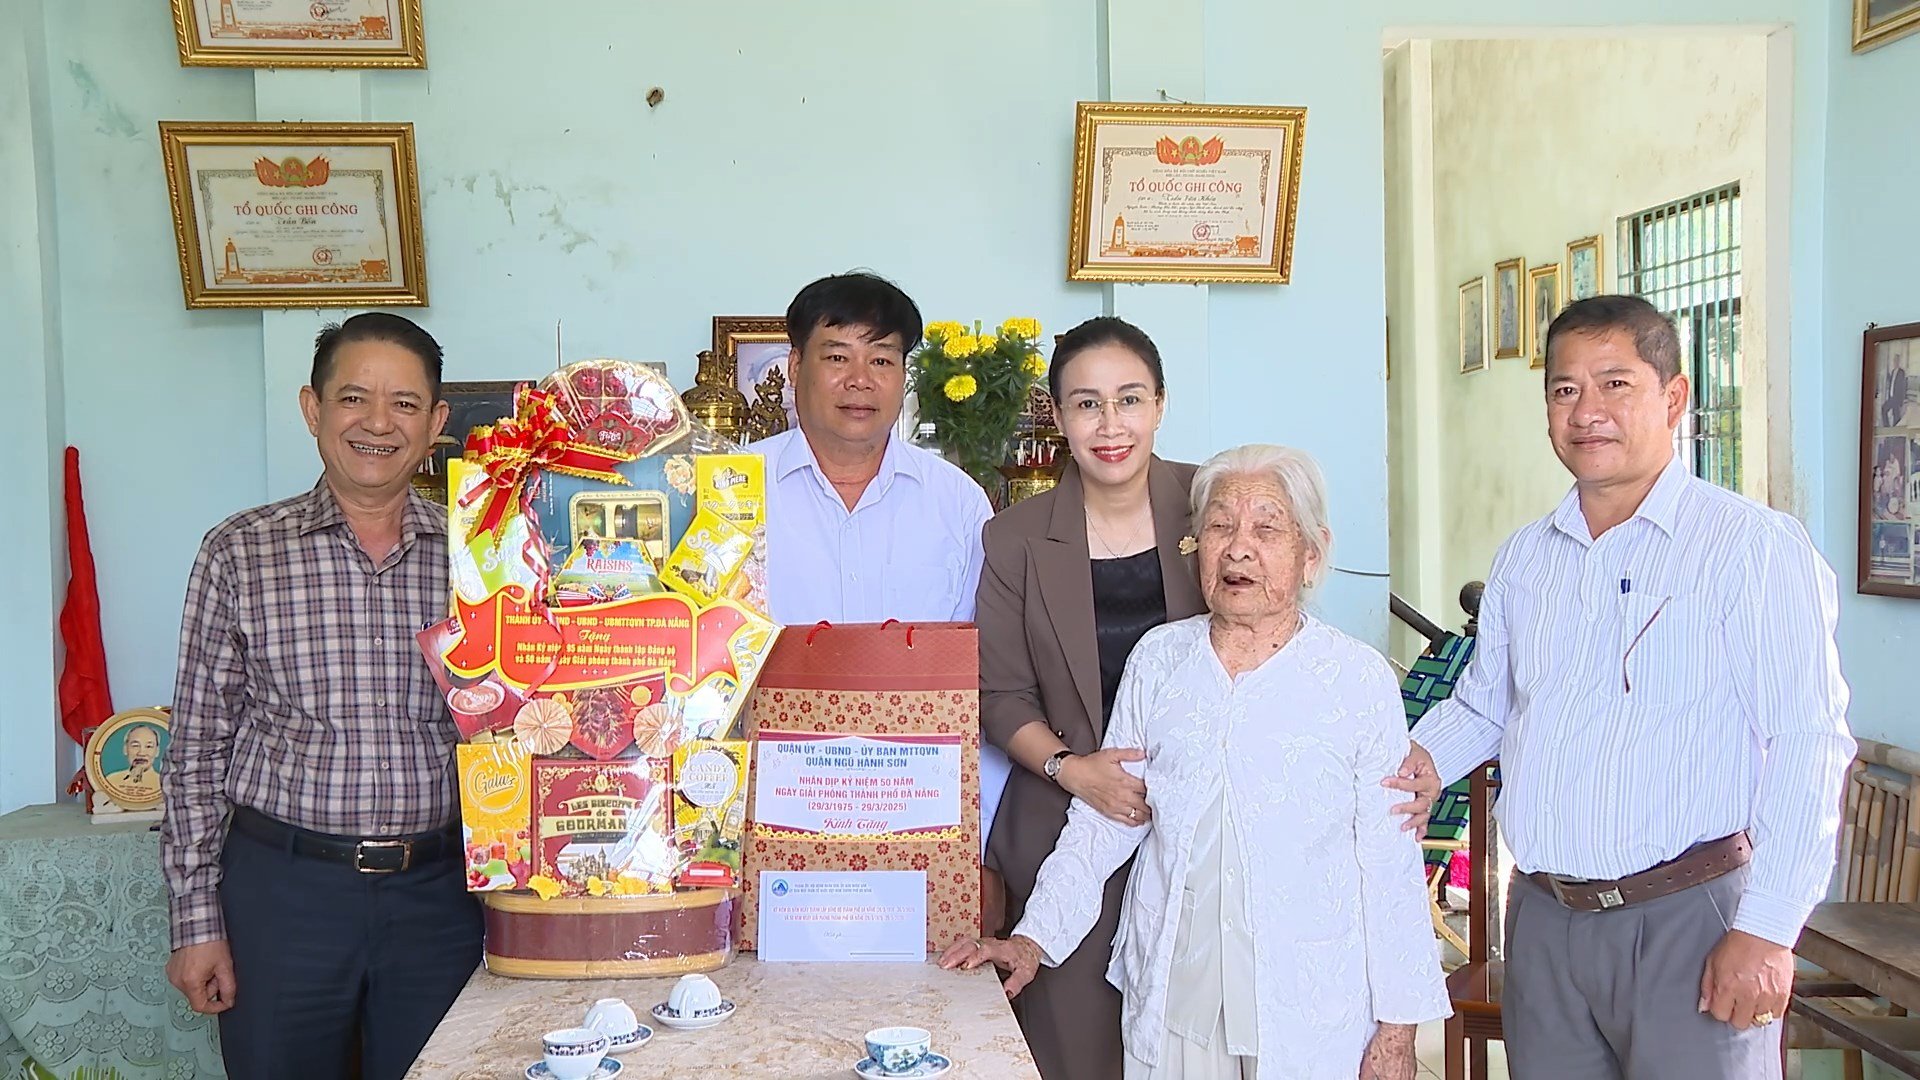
(300, 33)
(755, 344)
(1509, 318)
(1876, 22)
(1543, 303)
(1889, 460)
(1473, 326)
(1584, 272)
(125, 761)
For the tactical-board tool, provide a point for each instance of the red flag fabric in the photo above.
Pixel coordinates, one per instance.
(84, 698)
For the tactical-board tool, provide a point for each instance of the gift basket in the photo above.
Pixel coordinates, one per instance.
(608, 564)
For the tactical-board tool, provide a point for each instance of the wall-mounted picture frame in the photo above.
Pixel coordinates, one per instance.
(300, 33)
(1543, 303)
(295, 215)
(1889, 460)
(1184, 193)
(754, 345)
(1586, 272)
(1509, 309)
(1473, 326)
(1877, 22)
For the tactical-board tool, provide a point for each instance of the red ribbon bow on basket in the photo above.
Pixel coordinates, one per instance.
(536, 438)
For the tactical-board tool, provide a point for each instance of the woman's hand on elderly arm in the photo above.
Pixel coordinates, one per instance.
(1019, 956)
(1097, 779)
(1418, 777)
(1389, 1054)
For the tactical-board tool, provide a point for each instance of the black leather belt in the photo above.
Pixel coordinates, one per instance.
(372, 855)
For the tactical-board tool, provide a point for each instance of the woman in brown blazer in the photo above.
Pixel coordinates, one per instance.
(1073, 579)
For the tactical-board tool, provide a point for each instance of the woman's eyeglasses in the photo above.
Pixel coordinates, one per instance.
(1126, 407)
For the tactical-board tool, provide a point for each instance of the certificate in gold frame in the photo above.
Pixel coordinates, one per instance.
(1876, 22)
(1184, 193)
(295, 215)
(300, 33)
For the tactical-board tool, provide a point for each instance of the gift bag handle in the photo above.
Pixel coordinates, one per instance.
(825, 625)
(909, 626)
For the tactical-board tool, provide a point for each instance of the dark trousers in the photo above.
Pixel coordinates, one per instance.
(330, 963)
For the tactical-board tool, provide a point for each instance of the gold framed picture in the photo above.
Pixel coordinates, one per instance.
(755, 345)
(1184, 193)
(1585, 272)
(1543, 303)
(125, 757)
(1876, 22)
(295, 215)
(1473, 326)
(300, 33)
(1509, 321)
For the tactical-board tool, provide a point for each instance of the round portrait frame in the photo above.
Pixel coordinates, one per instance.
(115, 727)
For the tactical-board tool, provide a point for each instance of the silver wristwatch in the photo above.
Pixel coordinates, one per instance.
(1052, 767)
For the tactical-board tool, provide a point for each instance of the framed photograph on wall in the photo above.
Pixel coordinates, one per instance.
(1509, 316)
(755, 345)
(1543, 303)
(1584, 270)
(1473, 326)
(1876, 22)
(1889, 459)
(300, 33)
(295, 215)
(1184, 193)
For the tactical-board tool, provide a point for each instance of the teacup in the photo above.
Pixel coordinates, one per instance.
(613, 1018)
(693, 994)
(898, 1049)
(574, 1053)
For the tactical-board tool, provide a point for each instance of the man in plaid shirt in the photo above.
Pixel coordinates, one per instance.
(311, 847)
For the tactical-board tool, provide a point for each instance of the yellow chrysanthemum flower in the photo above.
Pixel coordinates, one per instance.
(960, 387)
(986, 342)
(1035, 365)
(1026, 328)
(959, 346)
(544, 885)
(939, 331)
(596, 886)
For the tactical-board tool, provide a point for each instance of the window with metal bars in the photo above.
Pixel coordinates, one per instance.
(1684, 258)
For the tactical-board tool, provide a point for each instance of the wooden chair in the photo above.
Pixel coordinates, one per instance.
(1879, 863)
(1435, 882)
(1475, 987)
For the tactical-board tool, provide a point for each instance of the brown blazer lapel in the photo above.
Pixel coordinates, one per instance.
(1169, 491)
(1065, 571)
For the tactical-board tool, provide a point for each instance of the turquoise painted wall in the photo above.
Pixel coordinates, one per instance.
(930, 143)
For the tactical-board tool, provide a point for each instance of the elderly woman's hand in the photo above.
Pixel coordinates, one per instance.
(1389, 1054)
(1101, 781)
(1019, 956)
(1416, 775)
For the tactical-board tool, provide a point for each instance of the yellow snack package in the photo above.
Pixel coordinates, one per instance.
(484, 564)
(734, 486)
(495, 813)
(707, 558)
(709, 812)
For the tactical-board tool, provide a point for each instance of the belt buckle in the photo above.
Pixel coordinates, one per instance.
(1611, 898)
(359, 855)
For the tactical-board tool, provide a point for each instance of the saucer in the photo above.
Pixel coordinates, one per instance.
(696, 1020)
(632, 1040)
(608, 1069)
(930, 1066)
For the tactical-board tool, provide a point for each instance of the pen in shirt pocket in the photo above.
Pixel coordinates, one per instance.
(1626, 682)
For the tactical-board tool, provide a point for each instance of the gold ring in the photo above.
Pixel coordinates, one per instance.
(1132, 815)
(1762, 1019)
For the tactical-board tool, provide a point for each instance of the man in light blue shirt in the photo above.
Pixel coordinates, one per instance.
(861, 526)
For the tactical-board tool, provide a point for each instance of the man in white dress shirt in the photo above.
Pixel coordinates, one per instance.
(861, 526)
(1656, 672)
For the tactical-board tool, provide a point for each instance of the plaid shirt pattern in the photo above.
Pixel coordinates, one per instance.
(301, 691)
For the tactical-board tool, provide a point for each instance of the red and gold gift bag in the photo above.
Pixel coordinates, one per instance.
(866, 744)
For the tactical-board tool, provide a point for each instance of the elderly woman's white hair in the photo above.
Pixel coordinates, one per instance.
(1299, 480)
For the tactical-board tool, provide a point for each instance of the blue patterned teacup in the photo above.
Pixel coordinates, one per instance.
(574, 1053)
(898, 1050)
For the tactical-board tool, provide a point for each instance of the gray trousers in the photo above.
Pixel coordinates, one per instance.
(1607, 995)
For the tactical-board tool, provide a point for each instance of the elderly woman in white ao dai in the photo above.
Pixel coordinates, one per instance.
(1276, 919)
